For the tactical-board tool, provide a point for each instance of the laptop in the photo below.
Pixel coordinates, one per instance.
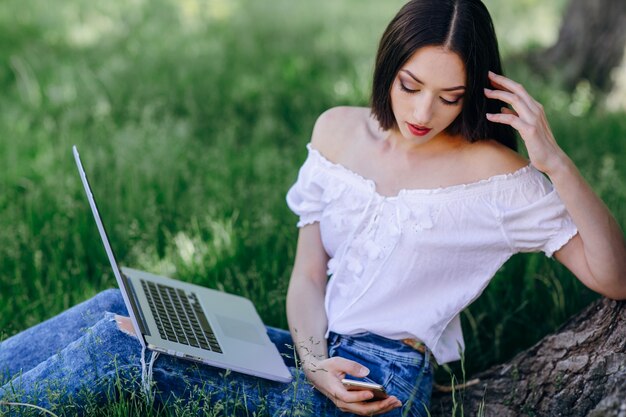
(190, 321)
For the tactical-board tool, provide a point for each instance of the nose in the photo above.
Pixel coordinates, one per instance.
(423, 110)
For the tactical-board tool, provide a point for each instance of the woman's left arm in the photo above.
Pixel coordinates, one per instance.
(597, 255)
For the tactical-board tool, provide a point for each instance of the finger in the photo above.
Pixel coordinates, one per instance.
(508, 119)
(348, 367)
(347, 396)
(393, 405)
(519, 105)
(504, 83)
(376, 407)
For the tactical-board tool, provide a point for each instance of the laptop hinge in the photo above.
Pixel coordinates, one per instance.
(141, 321)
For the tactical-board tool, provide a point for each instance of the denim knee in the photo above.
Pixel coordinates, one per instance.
(108, 300)
(91, 365)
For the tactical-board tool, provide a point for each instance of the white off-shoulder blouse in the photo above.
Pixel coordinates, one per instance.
(406, 266)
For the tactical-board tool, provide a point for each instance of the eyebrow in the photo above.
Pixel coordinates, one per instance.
(459, 87)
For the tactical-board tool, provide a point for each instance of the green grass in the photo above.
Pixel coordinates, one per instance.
(192, 117)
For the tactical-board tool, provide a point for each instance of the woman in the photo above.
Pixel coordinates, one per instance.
(410, 207)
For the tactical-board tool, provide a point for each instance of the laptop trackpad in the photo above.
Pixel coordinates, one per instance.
(240, 329)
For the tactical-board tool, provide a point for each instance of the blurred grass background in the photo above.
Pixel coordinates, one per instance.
(192, 116)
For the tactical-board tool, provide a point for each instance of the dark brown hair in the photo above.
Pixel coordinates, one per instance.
(461, 26)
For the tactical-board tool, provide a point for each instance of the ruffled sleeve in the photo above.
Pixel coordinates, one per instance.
(536, 218)
(305, 197)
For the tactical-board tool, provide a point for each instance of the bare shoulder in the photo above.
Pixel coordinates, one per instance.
(493, 158)
(338, 129)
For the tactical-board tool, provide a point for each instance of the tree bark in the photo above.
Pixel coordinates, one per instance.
(578, 371)
(591, 43)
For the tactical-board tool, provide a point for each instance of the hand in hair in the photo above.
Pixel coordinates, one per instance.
(529, 119)
(597, 255)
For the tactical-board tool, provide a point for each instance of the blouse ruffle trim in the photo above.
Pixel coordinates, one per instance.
(339, 168)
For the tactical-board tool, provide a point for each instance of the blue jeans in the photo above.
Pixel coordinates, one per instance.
(81, 358)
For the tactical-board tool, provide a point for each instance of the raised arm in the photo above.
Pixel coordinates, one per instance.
(597, 254)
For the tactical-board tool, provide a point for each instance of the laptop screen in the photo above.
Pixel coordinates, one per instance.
(122, 282)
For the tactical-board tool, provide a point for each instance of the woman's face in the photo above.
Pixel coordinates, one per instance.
(427, 93)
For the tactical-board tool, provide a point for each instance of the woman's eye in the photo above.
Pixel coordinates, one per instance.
(406, 89)
(450, 102)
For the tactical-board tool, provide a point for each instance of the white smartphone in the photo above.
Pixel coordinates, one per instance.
(377, 389)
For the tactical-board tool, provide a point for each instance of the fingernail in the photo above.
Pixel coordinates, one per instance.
(487, 90)
(489, 115)
(364, 372)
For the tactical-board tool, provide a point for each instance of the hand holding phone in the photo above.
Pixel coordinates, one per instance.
(356, 402)
(377, 389)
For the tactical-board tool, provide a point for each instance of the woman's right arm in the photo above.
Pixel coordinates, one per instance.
(308, 323)
(305, 298)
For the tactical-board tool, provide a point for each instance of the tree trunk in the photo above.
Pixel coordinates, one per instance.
(591, 43)
(578, 371)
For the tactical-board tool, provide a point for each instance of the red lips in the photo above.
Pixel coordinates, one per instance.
(418, 130)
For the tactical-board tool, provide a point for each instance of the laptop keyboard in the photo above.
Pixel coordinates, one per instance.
(179, 317)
